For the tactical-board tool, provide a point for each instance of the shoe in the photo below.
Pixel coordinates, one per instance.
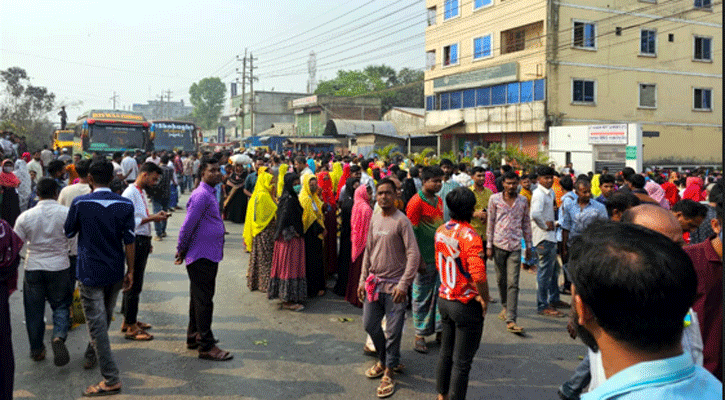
(60, 352)
(551, 312)
(38, 355)
(157, 238)
(560, 304)
(163, 235)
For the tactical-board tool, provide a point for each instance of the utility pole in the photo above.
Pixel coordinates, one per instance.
(113, 99)
(168, 103)
(244, 80)
(252, 78)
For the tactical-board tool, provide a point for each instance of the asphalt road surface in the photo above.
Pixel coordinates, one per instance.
(278, 354)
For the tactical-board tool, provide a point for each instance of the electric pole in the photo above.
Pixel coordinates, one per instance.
(252, 78)
(113, 99)
(244, 80)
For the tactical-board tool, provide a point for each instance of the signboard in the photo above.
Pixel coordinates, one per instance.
(116, 116)
(486, 76)
(304, 101)
(608, 134)
(631, 152)
(221, 134)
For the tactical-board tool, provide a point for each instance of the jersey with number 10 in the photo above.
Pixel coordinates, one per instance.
(458, 251)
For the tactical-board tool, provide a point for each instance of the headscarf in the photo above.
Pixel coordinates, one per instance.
(21, 171)
(8, 179)
(595, 186)
(311, 204)
(311, 165)
(672, 194)
(280, 179)
(261, 208)
(289, 211)
(27, 157)
(348, 196)
(558, 191)
(360, 221)
(693, 191)
(336, 175)
(325, 183)
(342, 182)
(656, 192)
(10, 245)
(490, 182)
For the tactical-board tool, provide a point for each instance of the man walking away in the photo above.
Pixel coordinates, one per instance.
(161, 195)
(66, 197)
(201, 246)
(508, 223)
(104, 224)
(129, 168)
(48, 275)
(390, 262)
(147, 177)
(463, 295)
(425, 212)
(543, 235)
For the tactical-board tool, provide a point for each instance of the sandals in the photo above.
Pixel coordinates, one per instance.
(140, 335)
(502, 315)
(551, 312)
(139, 324)
(293, 307)
(513, 328)
(215, 354)
(97, 391)
(376, 371)
(419, 345)
(386, 388)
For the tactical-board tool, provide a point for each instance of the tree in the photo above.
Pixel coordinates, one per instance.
(24, 108)
(207, 97)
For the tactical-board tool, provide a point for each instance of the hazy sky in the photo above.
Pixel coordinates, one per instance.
(83, 51)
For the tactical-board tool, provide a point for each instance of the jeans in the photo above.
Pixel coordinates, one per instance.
(547, 291)
(57, 288)
(388, 348)
(508, 267)
(462, 328)
(572, 388)
(160, 227)
(174, 196)
(202, 279)
(426, 318)
(98, 303)
(131, 298)
(186, 183)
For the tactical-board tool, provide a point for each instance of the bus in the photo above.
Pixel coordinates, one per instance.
(107, 131)
(174, 135)
(66, 139)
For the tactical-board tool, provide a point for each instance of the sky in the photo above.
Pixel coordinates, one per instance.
(85, 51)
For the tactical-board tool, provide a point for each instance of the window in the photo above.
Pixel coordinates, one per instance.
(445, 101)
(527, 91)
(703, 4)
(514, 40)
(450, 55)
(702, 48)
(647, 95)
(498, 95)
(482, 47)
(539, 89)
(671, 37)
(481, 3)
(648, 42)
(512, 93)
(582, 91)
(451, 9)
(703, 99)
(432, 16)
(483, 97)
(430, 59)
(429, 103)
(469, 98)
(584, 35)
(455, 100)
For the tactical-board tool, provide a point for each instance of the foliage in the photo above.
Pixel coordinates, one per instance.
(24, 108)
(207, 97)
(495, 153)
(386, 152)
(378, 81)
(421, 158)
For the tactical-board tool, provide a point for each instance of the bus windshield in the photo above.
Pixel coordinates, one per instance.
(173, 136)
(108, 138)
(65, 137)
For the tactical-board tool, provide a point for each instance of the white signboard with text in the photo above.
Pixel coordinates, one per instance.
(608, 134)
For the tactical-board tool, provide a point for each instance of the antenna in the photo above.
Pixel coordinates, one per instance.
(312, 71)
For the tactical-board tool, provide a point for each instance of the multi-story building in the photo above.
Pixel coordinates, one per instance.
(269, 108)
(156, 109)
(507, 70)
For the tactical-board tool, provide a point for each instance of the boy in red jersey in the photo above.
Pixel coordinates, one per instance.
(463, 294)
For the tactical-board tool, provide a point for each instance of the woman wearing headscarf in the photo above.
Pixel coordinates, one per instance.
(10, 243)
(235, 205)
(693, 189)
(345, 258)
(311, 165)
(313, 222)
(341, 183)
(9, 183)
(672, 194)
(259, 231)
(327, 196)
(287, 279)
(24, 189)
(490, 182)
(360, 225)
(280, 179)
(656, 192)
(336, 175)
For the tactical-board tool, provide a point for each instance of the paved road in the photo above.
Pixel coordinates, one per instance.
(284, 355)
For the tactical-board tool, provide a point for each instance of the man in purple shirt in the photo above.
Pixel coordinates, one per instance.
(201, 246)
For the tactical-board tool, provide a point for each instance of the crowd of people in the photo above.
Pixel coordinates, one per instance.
(386, 236)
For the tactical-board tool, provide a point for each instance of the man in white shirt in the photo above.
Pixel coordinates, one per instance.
(116, 161)
(148, 176)
(48, 275)
(46, 156)
(462, 178)
(129, 168)
(68, 194)
(35, 165)
(154, 158)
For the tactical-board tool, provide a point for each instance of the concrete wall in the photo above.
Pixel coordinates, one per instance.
(405, 122)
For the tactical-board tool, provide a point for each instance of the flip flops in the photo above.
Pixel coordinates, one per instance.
(97, 391)
(513, 328)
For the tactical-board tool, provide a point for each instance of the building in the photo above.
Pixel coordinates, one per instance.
(410, 124)
(269, 108)
(158, 110)
(507, 70)
(313, 112)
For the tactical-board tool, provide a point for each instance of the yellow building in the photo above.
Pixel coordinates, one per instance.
(507, 70)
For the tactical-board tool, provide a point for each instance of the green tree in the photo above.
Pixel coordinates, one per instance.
(24, 108)
(207, 97)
